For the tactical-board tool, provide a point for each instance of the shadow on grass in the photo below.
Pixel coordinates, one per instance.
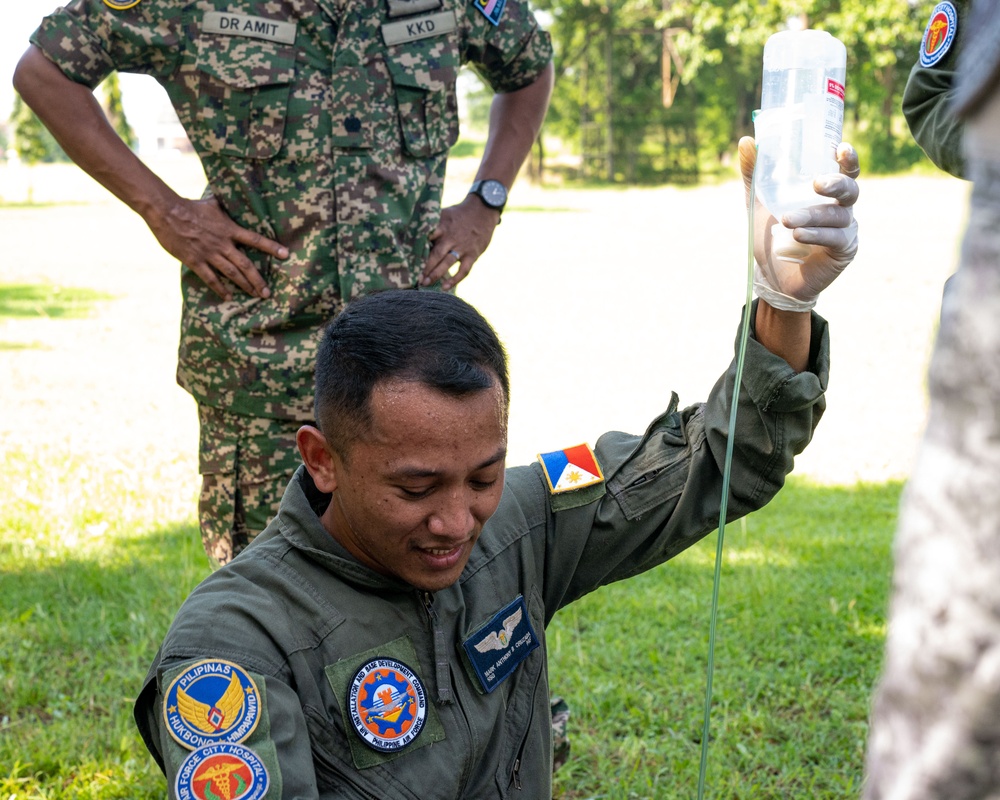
(33, 300)
(76, 638)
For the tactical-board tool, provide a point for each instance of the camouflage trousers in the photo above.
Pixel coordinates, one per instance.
(245, 463)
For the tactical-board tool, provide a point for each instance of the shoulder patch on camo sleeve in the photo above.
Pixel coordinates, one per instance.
(939, 34)
(121, 5)
(224, 770)
(491, 9)
(571, 469)
(209, 702)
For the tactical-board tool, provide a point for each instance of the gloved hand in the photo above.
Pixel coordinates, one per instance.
(829, 233)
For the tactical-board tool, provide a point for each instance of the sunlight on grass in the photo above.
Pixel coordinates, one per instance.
(26, 300)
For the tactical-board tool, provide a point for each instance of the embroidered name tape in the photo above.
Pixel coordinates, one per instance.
(388, 704)
(572, 468)
(409, 30)
(501, 644)
(211, 701)
(272, 30)
(222, 770)
(939, 34)
(491, 9)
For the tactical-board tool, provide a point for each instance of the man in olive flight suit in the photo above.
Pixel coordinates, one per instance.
(929, 92)
(323, 128)
(385, 636)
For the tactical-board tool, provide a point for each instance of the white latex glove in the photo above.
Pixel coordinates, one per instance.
(829, 234)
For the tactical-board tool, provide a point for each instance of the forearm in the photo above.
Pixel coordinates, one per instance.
(515, 122)
(75, 118)
(787, 334)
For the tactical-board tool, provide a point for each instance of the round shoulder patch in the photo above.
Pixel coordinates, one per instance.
(226, 770)
(939, 35)
(121, 5)
(211, 701)
(388, 704)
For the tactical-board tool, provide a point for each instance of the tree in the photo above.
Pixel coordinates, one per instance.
(32, 140)
(34, 143)
(611, 59)
(111, 90)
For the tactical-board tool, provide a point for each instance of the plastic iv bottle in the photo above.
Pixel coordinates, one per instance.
(799, 124)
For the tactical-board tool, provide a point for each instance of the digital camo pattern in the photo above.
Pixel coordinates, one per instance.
(936, 722)
(335, 146)
(246, 463)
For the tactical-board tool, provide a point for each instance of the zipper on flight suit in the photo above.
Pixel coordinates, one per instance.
(442, 670)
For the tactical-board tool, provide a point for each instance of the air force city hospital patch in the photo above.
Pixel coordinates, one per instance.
(939, 34)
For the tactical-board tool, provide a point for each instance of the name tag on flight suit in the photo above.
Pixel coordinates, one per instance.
(501, 644)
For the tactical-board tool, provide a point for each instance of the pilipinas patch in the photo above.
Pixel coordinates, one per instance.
(491, 9)
(387, 704)
(501, 644)
(225, 770)
(939, 34)
(211, 701)
(121, 5)
(572, 468)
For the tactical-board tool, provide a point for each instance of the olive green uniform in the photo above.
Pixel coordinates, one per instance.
(322, 124)
(929, 91)
(302, 617)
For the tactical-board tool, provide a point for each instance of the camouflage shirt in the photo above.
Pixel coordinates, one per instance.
(322, 124)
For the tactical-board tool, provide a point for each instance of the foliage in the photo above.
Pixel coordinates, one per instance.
(35, 144)
(111, 91)
(609, 58)
(32, 140)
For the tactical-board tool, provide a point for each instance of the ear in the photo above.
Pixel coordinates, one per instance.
(318, 457)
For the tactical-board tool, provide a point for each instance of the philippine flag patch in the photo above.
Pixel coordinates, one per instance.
(570, 469)
(491, 9)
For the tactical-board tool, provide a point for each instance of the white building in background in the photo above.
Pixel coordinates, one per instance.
(152, 117)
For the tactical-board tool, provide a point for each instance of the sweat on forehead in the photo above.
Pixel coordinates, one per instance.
(431, 337)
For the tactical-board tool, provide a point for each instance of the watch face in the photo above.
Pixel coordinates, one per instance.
(494, 193)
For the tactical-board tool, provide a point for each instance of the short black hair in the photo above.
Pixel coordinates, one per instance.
(431, 337)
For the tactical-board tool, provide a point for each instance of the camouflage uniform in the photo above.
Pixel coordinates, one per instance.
(929, 89)
(324, 125)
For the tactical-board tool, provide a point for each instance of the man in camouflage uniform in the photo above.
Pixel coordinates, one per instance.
(323, 127)
(929, 89)
(936, 715)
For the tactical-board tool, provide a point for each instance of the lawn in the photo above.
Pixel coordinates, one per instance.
(605, 307)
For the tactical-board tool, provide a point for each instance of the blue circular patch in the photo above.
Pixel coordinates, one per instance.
(939, 34)
(211, 701)
(388, 704)
(225, 770)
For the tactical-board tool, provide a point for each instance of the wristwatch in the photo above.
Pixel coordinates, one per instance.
(491, 192)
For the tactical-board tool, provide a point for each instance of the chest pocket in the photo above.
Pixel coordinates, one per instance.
(242, 96)
(423, 76)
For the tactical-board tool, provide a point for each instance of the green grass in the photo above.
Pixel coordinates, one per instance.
(801, 629)
(26, 300)
(93, 563)
(95, 558)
